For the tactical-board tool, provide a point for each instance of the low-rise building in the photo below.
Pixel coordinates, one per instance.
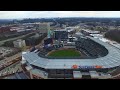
(19, 43)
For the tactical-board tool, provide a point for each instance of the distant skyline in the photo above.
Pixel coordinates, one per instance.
(50, 14)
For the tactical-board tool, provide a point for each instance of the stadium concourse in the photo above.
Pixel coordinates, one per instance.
(102, 57)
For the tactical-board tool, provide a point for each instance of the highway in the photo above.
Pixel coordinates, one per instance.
(15, 38)
(7, 66)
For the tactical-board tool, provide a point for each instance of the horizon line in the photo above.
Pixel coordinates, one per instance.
(54, 17)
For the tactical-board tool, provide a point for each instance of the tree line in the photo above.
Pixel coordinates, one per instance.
(113, 35)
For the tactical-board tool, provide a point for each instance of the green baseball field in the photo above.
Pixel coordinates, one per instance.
(65, 53)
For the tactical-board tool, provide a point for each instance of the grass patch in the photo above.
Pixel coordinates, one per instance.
(65, 53)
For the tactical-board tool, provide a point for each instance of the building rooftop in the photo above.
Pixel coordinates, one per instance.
(61, 30)
(77, 74)
(94, 74)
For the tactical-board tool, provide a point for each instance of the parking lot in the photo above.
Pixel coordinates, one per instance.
(5, 50)
(16, 67)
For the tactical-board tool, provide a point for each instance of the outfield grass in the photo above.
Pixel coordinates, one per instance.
(64, 53)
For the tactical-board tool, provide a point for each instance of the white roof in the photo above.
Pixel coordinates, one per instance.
(112, 59)
(77, 74)
(28, 67)
(104, 39)
(23, 61)
(94, 74)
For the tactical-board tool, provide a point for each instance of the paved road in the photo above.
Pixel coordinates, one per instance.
(2, 42)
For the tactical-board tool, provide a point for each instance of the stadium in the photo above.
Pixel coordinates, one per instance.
(94, 60)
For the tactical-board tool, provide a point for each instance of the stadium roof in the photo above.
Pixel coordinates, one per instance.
(112, 59)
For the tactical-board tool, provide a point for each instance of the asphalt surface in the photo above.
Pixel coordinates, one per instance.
(3, 41)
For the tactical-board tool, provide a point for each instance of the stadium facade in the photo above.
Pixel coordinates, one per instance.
(103, 57)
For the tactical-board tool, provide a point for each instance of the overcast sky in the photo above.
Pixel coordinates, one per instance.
(44, 14)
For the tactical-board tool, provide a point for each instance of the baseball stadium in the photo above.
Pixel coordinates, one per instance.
(84, 58)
